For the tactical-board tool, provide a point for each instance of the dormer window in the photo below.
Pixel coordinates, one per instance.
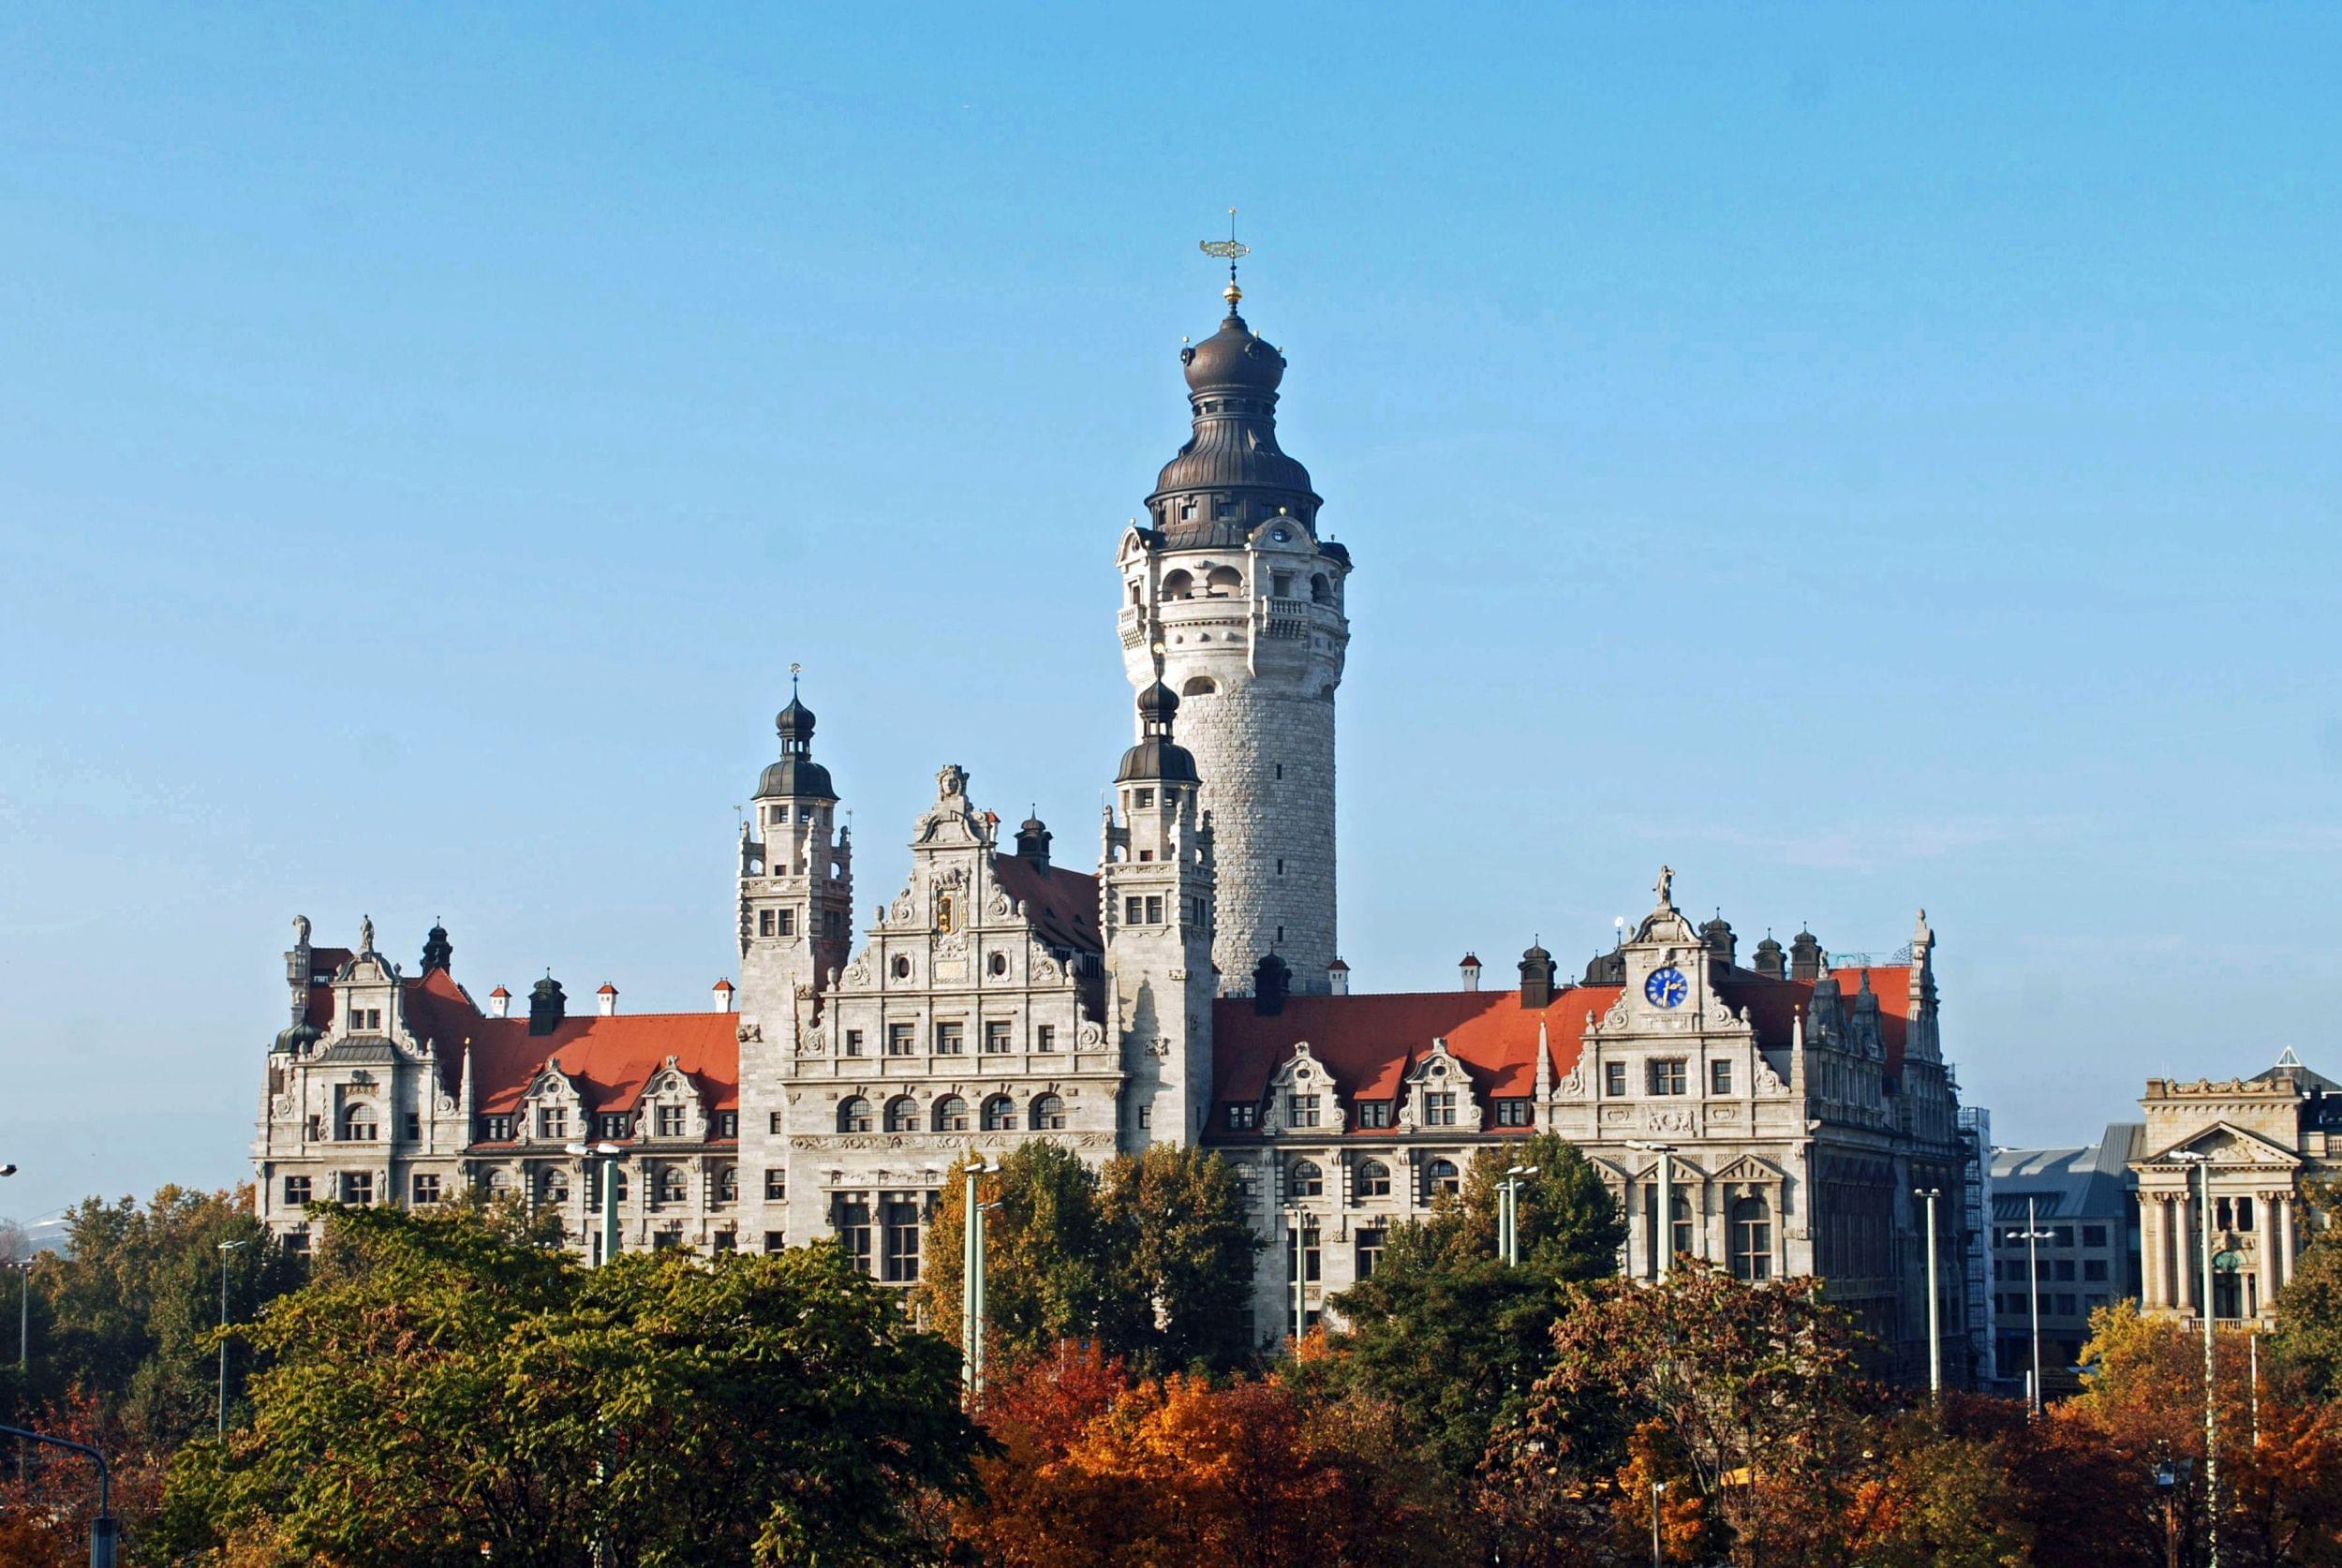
(553, 1121)
(1374, 1113)
(671, 1121)
(1241, 1117)
(1301, 1110)
(1439, 1108)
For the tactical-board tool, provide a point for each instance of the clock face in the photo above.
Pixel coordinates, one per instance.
(1666, 987)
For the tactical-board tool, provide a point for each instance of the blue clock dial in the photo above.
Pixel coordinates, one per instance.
(1666, 987)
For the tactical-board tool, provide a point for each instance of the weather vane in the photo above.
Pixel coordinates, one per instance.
(792, 678)
(1228, 250)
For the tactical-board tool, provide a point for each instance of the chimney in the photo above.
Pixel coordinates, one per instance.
(1337, 979)
(500, 1003)
(1471, 970)
(723, 996)
(607, 999)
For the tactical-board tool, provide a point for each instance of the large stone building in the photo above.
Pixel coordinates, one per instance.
(1776, 1116)
(2258, 1142)
(2065, 1239)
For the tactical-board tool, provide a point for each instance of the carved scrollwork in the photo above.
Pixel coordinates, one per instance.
(812, 1043)
(1573, 1086)
(1091, 1035)
(1675, 1118)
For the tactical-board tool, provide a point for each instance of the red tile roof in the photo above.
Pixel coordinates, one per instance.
(1369, 1043)
(1061, 904)
(611, 1057)
(723, 985)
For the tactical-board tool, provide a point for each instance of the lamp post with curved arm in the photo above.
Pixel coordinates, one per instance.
(102, 1531)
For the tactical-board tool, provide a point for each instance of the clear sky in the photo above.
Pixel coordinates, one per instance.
(1866, 457)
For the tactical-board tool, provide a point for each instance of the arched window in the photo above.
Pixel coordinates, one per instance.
(901, 1114)
(1048, 1114)
(1308, 1180)
(555, 1188)
(999, 1114)
(670, 1184)
(1321, 589)
(358, 1126)
(1224, 579)
(728, 1185)
(951, 1115)
(1177, 584)
(854, 1115)
(1752, 1239)
(1373, 1180)
(1440, 1175)
(1199, 686)
(499, 1183)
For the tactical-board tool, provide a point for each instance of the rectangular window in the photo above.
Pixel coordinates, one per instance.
(851, 1218)
(1239, 1117)
(497, 1129)
(1370, 1250)
(1374, 1113)
(1142, 798)
(358, 1187)
(726, 1124)
(1302, 1111)
(414, 1126)
(2093, 1269)
(614, 1127)
(947, 1040)
(1614, 1079)
(2063, 1268)
(553, 1121)
(996, 1038)
(788, 923)
(765, 923)
(773, 1122)
(296, 1191)
(777, 1185)
(898, 1040)
(1667, 1076)
(853, 1042)
(425, 1188)
(2065, 1305)
(2094, 1236)
(1045, 1038)
(1154, 909)
(900, 1259)
(1133, 909)
(775, 1241)
(2065, 1236)
(1512, 1113)
(1719, 1077)
(671, 1121)
(1439, 1108)
(1145, 1117)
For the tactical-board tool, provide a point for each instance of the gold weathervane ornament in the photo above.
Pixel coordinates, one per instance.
(1228, 250)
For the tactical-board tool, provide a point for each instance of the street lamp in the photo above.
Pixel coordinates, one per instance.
(1663, 1233)
(1657, 1487)
(2033, 1235)
(104, 1533)
(1934, 1330)
(2169, 1478)
(608, 1154)
(1508, 1213)
(2203, 1162)
(224, 1248)
(971, 1282)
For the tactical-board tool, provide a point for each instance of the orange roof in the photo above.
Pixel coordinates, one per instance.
(611, 1058)
(1061, 904)
(607, 990)
(501, 991)
(723, 985)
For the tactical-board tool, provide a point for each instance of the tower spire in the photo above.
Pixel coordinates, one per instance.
(1229, 250)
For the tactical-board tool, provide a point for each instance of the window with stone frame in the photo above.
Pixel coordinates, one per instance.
(296, 1191)
(1441, 1176)
(1305, 1180)
(1044, 1037)
(850, 1218)
(997, 1040)
(1720, 1075)
(358, 1188)
(950, 1114)
(553, 1121)
(1048, 1114)
(1370, 1239)
(358, 1124)
(1373, 1180)
(671, 1122)
(1750, 1232)
(949, 1038)
(999, 1114)
(1665, 1075)
(1439, 1108)
(1301, 1110)
(899, 1255)
(899, 1040)
(668, 1186)
(853, 1114)
(414, 1126)
(1374, 1113)
(1614, 1079)
(726, 1124)
(552, 1188)
(1512, 1113)
(728, 1184)
(853, 1042)
(902, 1115)
(776, 1184)
(615, 1126)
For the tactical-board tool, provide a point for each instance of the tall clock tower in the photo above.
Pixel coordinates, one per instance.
(1233, 599)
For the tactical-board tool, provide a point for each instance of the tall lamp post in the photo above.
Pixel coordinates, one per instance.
(1508, 1214)
(224, 1248)
(607, 1155)
(971, 1282)
(2033, 1235)
(1934, 1329)
(1658, 1489)
(1663, 1228)
(2203, 1162)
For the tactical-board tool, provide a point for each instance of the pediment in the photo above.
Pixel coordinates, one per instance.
(1751, 1167)
(2226, 1144)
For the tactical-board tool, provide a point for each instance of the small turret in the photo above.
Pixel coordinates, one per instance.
(1804, 956)
(1272, 981)
(1536, 977)
(437, 952)
(1770, 960)
(1033, 840)
(546, 1006)
(1470, 969)
(1716, 936)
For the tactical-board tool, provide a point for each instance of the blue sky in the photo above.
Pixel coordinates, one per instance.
(1866, 457)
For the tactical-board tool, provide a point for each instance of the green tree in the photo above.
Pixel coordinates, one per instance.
(1045, 1252)
(1181, 1269)
(1451, 1337)
(445, 1390)
(2309, 1308)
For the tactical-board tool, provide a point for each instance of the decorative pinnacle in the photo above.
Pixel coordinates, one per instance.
(1228, 249)
(793, 669)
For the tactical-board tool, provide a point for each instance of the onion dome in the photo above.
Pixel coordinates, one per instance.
(1156, 758)
(1770, 960)
(298, 1038)
(1231, 476)
(1717, 936)
(546, 1005)
(1033, 840)
(437, 952)
(796, 773)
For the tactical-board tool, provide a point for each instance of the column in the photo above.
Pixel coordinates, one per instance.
(2151, 1249)
(2266, 1265)
(2284, 1239)
(2183, 1253)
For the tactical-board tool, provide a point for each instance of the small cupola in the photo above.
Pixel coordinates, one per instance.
(1804, 956)
(1716, 936)
(1272, 981)
(723, 996)
(1157, 759)
(1470, 969)
(1770, 962)
(500, 1003)
(546, 1006)
(1033, 840)
(606, 1000)
(1536, 977)
(1338, 979)
(437, 952)
(796, 773)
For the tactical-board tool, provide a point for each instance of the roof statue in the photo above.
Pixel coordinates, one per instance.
(1667, 887)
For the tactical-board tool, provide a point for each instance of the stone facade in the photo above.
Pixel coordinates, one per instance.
(2258, 1139)
(1775, 1117)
